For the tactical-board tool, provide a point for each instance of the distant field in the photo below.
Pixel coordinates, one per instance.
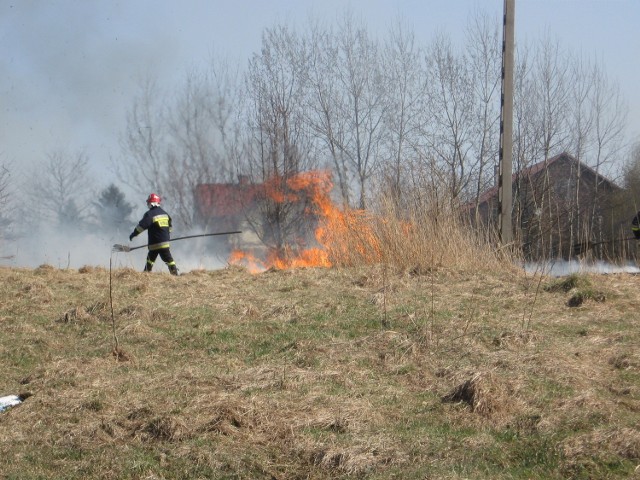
(338, 373)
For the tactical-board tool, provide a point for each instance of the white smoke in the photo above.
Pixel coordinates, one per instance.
(561, 268)
(68, 249)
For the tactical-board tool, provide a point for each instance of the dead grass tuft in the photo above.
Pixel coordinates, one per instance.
(120, 355)
(90, 269)
(482, 393)
(566, 284)
(45, 268)
(127, 272)
(516, 339)
(98, 308)
(620, 361)
(140, 413)
(250, 311)
(164, 428)
(37, 291)
(131, 311)
(358, 460)
(77, 314)
(578, 297)
(582, 451)
(234, 270)
(580, 288)
(332, 421)
(228, 419)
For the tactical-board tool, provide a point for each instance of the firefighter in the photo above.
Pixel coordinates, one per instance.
(157, 222)
(635, 226)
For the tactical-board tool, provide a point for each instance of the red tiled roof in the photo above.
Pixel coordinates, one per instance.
(225, 199)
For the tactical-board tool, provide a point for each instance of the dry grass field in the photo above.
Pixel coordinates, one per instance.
(328, 373)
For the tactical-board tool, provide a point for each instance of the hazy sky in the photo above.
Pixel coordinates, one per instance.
(69, 69)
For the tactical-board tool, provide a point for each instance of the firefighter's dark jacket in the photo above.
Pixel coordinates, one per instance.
(635, 226)
(158, 224)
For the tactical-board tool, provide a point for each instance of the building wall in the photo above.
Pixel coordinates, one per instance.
(558, 208)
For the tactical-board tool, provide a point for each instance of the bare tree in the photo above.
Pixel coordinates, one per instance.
(580, 119)
(551, 80)
(143, 143)
(610, 118)
(60, 186)
(610, 121)
(550, 93)
(597, 121)
(172, 146)
(564, 104)
(281, 144)
(405, 74)
(483, 42)
(362, 101)
(449, 133)
(348, 104)
(323, 112)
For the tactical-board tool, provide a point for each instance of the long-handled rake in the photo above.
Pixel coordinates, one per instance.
(125, 248)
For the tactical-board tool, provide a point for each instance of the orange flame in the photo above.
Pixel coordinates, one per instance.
(247, 260)
(340, 234)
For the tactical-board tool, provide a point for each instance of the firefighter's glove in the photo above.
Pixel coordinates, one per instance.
(131, 236)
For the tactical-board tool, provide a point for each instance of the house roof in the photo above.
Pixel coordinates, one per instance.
(225, 199)
(235, 199)
(534, 170)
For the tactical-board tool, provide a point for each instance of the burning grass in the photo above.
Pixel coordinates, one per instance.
(364, 372)
(422, 237)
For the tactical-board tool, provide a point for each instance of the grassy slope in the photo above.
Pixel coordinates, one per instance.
(328, 373)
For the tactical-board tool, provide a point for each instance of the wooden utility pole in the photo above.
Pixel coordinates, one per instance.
(505, 192)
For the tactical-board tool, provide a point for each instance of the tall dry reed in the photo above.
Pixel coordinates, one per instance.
(424, 236)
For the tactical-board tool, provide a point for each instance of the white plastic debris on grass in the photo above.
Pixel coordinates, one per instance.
(9, 401)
